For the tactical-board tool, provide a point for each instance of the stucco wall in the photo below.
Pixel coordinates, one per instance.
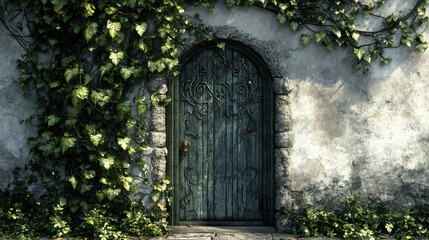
(14, 107)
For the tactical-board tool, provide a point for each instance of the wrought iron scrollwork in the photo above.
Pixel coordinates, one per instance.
(191, 178)
(206, 88)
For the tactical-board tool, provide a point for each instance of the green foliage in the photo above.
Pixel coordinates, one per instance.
(82, 60)
(24, 216)
(356, 25)
(359, 221)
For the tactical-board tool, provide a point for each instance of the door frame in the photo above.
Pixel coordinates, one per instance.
(173, 127)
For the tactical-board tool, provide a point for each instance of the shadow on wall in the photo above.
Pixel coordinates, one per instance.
(362, 129)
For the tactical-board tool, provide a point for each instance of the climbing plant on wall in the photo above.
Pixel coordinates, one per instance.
(81, 60)
(366, 27)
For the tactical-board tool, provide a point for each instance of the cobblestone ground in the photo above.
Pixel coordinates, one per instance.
(229, 233)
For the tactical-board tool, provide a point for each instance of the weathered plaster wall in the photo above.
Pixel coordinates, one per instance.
(338, 132)
(14, 107)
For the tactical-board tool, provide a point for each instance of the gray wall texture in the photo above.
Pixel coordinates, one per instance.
(338, 132)
(14, 108)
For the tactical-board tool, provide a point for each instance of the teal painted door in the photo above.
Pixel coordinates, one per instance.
(221, 133)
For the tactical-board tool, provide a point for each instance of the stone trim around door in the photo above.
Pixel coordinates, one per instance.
(281, 142)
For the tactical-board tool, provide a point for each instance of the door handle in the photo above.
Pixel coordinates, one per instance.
(184, 147)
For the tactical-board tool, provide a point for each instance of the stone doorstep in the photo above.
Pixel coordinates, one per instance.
(225, 233)
(222, 229)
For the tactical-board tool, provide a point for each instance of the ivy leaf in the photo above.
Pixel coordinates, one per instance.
(101, 98)
(105, 68)
(96, 139)
(85, 187)
(62, 201)
(123, 109)
(111, 10)
(73, 182)
(131, 123)
(79, 93)
(104, 181)
(407, 40)
(422, 47)
(221, 45)
(126, 181)
(126, 185)
(141, 28)
(52, 120)
(127, 72)
(320, 36)
(359, 52)
(281, 18)
(166, 181)
(47, 149)
(114, 28)
(124, 142)
(141, 108)
(90, 31)
(100, 197)
(116, 57)
(70, 73)
(294, 26)
(367, 58)
(70, 122)
(337, 32)
(90, 9)
(152, 66)
(155, 195)
(305, 39)
(385, 61)
(87, 78)
(90, 174)
(389, 227)
(106, 162)
(112, 193)
(54, 84)
(171, 63)
(162, 207)
(142, 46)
(58, 5)
(421, 10)
(356, 36)
(66, 143)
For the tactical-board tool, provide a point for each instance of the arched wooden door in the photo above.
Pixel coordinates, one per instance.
(222, 148)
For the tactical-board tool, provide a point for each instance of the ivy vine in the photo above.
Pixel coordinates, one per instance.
(83, 58)
(364, 26)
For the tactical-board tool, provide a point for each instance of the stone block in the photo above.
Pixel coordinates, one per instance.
(158, 85)
(283, 140)
(281, 158)
(158, 119)
(159, 163)
(280, 86)
(282, 118)
(158, 139)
